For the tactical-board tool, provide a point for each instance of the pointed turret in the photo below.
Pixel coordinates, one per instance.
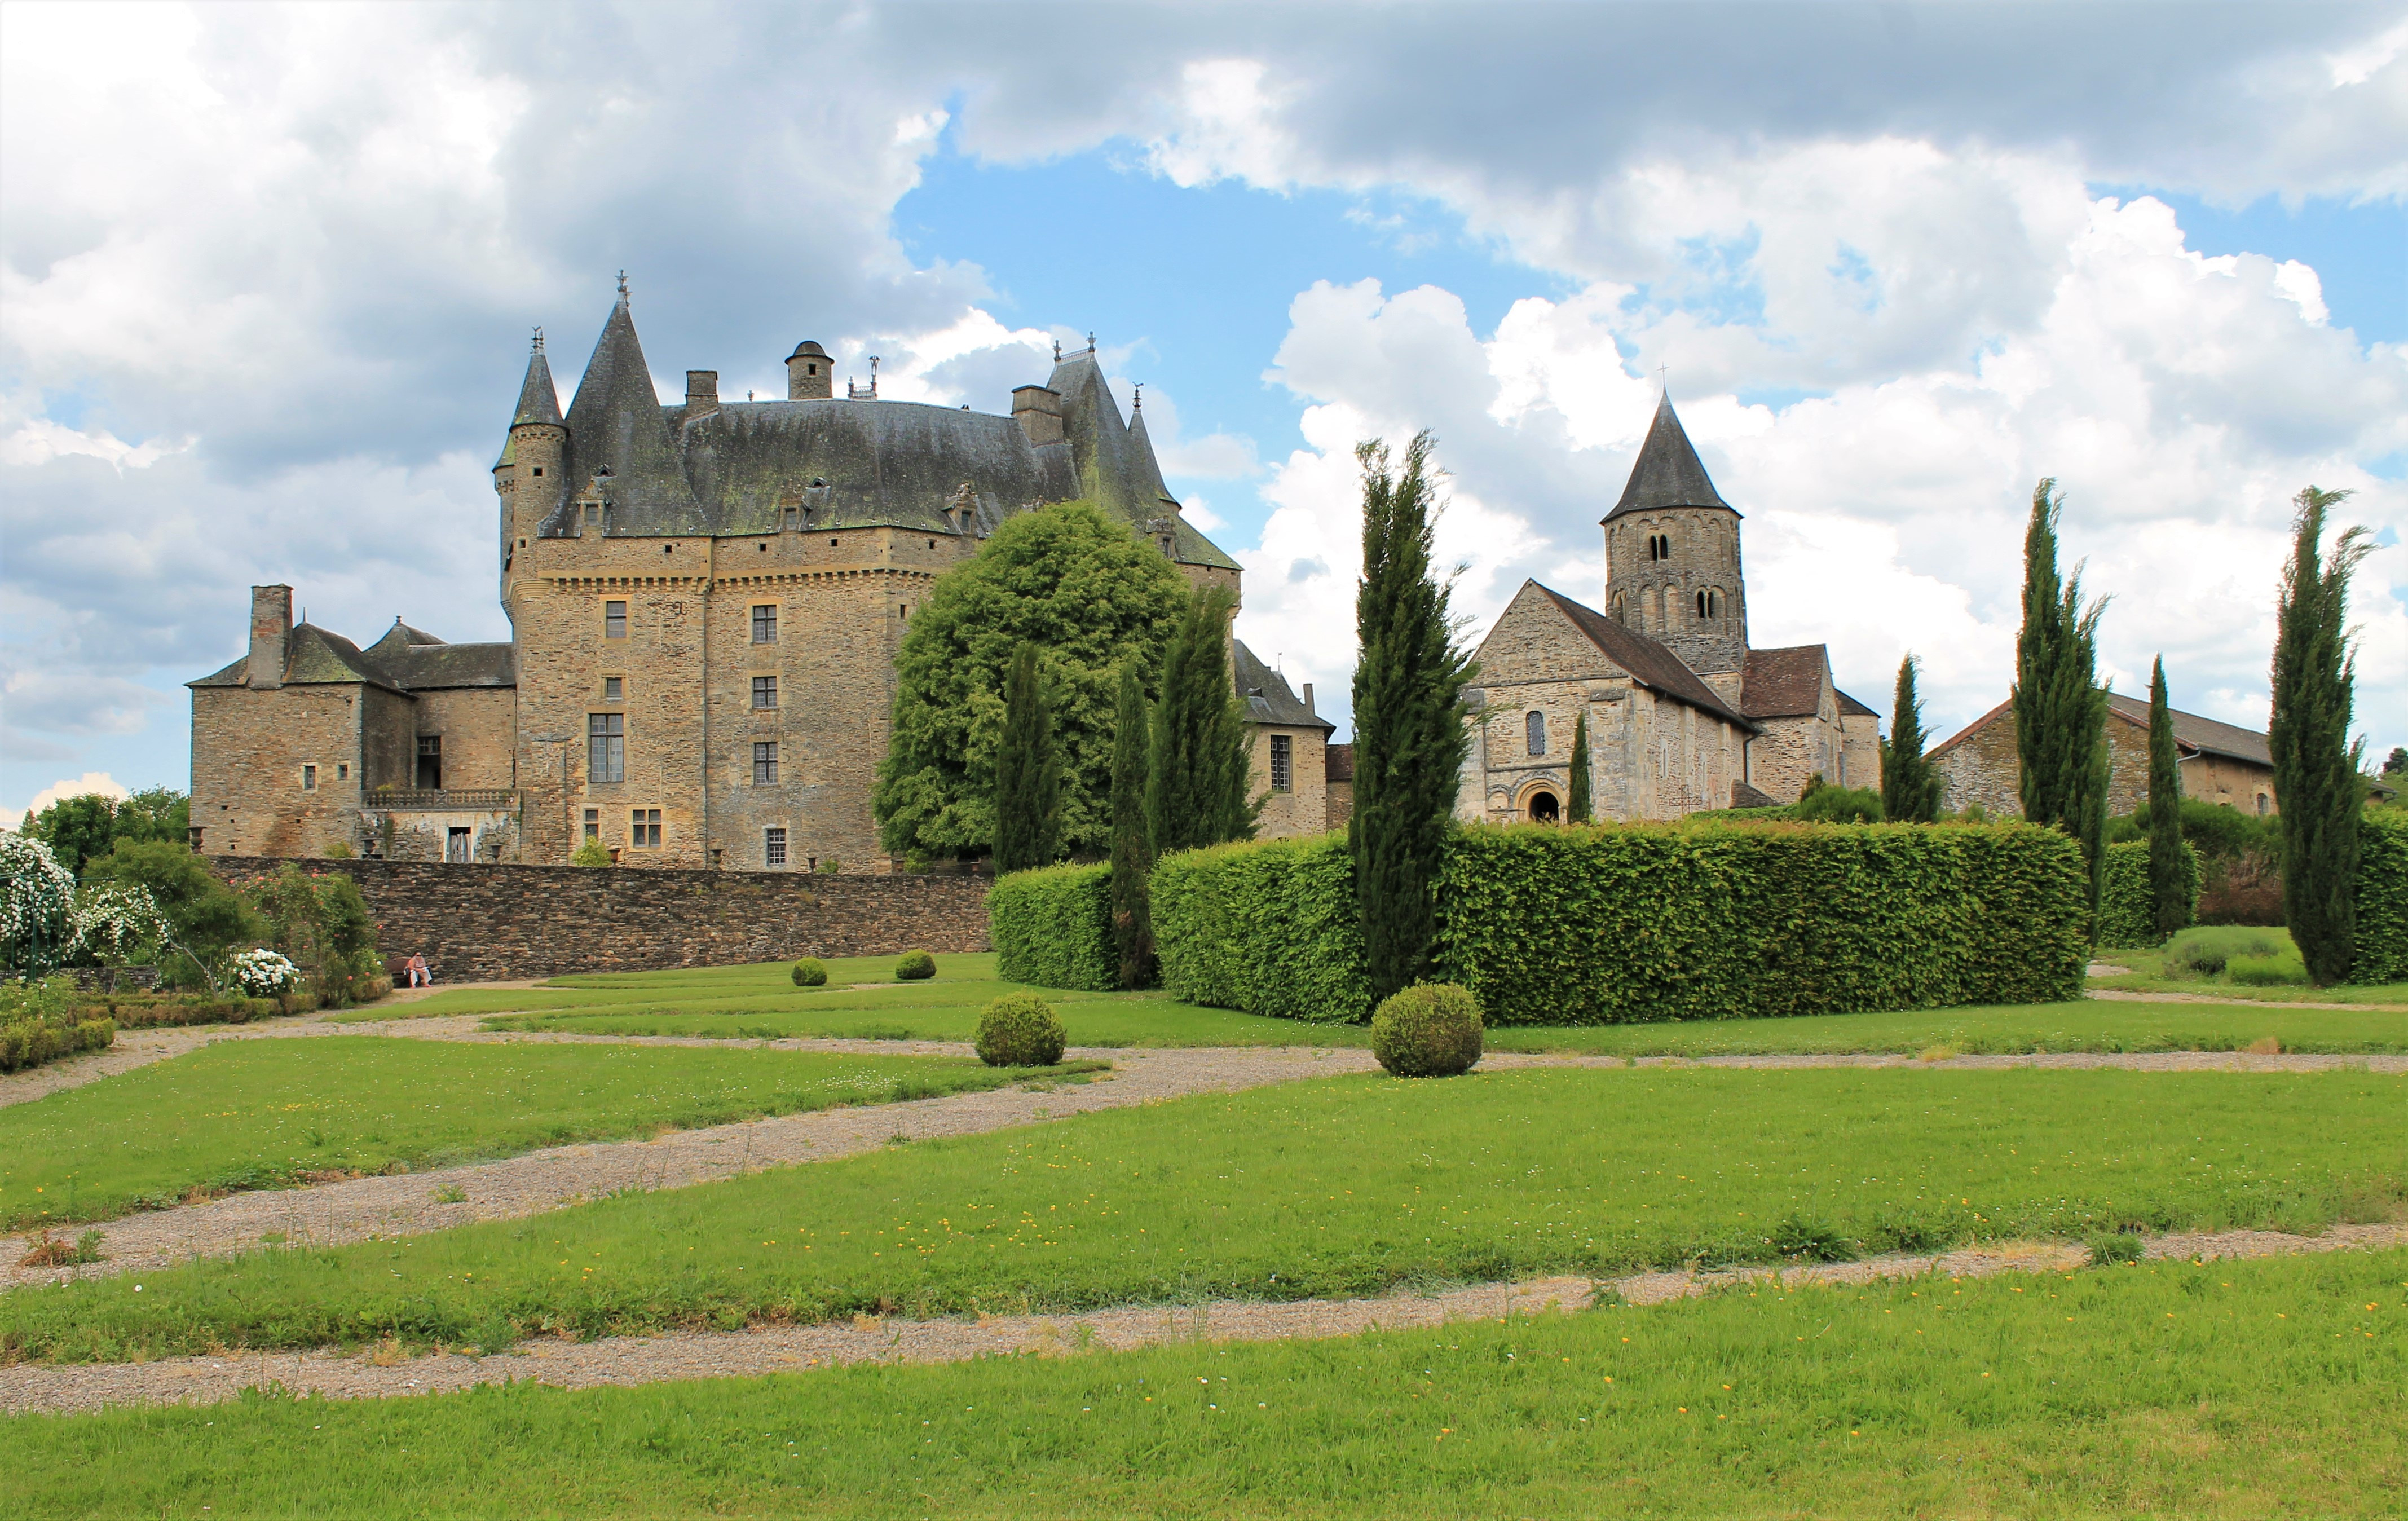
(1669, 472)
(1147, 471)
(617, 427)
(538, 402)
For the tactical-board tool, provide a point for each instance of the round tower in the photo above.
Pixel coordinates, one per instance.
(810, 375)
(531, 475)
(1672, 555)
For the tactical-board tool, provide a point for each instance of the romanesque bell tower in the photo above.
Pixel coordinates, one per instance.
(1671, 554)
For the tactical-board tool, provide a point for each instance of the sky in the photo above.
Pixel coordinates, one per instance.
(268, 276)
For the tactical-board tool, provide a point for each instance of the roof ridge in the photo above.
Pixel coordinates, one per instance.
(1670, 675)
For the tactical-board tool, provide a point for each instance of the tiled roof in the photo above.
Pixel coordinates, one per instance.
(1743, 795)
(313, 655)
(1669, 472)
(1340, 763)
(1853, 708)
(2194, 733)
(1268, 696)
(1784, 683)
(1650, 663)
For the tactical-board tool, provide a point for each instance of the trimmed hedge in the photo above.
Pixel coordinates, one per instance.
(1269, 928)
(1053, 927)
(2128, 911)
(1615, 923)
(32, 1041)
(2381, 898)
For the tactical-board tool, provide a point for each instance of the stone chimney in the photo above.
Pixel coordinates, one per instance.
(271, 627)
(701, 392)
(810, 375)
(1039, 412)
(1308, 700)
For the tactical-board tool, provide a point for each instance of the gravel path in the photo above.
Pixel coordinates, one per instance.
(2122, 995)
(635, 1360)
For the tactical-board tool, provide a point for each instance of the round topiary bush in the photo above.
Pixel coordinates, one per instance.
(1020, 1029)
(810, 973)
(1427, 1031)
(916, 965)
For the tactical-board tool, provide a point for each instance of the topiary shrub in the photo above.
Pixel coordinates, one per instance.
(915, 967)
(2382, 896)
(2128, 908)
(1020, 1029)
(1432, 1030)
(810, 972)
(1053, 927)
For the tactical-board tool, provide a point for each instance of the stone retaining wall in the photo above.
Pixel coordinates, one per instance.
(487, 923)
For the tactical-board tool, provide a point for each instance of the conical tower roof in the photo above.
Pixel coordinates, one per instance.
(539, 400)
(1669, 472)
(616, 424)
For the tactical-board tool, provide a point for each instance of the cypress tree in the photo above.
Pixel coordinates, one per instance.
(1196, 790)
(1912, 786)
(1027, 773)
(1410, 738)
(1576, 810)
(1132, 846)
(2060, 708)
(2169, 883)
(2315, 767)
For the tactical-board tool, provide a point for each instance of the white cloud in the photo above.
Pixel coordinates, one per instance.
(90, 783)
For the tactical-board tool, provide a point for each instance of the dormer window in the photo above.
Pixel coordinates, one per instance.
(592, 514)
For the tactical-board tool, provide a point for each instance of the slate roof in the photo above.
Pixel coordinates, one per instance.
(1784, 683)
(1650, 663)
(1743, 795)
(1268, 696)
(539, 401)
(1851, 707)
(1669, 472)
(316, 655)
(846, 463)
(1338, 763)
(2199, 735)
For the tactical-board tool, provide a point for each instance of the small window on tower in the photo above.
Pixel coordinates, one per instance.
(308, 778)
(764, 692)
(539, 471)
(593, 824)
(765, 763)
(773, 847)
(1282, 762)
(764, 625)
(615, 689)
(430, 762)
(614, 619)
(644, 826)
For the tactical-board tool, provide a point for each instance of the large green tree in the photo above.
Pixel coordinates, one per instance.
(1077, 582)
(1196, 789)
(1577, 808)
(1027, 773)
(1410, 736)
(2315, 767)
(1911, 787)
(2169, 882)
(2060, 708)
(77, 830)
(207, 918)
(1132, 842)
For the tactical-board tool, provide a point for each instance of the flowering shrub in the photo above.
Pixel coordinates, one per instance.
(262, 973)
(36, 906)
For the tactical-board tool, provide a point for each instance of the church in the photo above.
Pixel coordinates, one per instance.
(706, 598)
(1683, 714)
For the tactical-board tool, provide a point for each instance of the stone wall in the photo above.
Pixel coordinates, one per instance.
(254, 791)
(486, 923)
(1303, 808)
(1983, 765)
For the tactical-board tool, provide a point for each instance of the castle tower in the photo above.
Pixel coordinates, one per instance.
(1671, 554)
(533, 471)
(810, 374)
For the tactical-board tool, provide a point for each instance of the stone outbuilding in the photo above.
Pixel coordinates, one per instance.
(2220, 762)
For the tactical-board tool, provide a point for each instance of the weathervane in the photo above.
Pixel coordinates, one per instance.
(623, 285)
(1057, 350)
(538, 340)
(1138, 388)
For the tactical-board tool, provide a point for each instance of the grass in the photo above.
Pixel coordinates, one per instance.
(2235, 961)
(1349, 1185)
(244, 1114)
(2224, 1389)
(758, 1003)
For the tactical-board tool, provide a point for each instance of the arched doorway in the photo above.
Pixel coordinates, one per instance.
(1543, 807)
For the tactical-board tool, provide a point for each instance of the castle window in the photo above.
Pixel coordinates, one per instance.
(764, 625)
(342, 773)
(592, 514)
(593, 824)
(430, 762)
(1659, 546)
(605, 747)
(457, 844)
(309, 778)
(765, 763)
(793, 519)
(615, 689)
(1283, 763)
(1702, 605)
(773, 847)
(833, 543)
(539, 471)
(614, 619)
(1534, 732)
(903, 612)
(764, 692)
(644, 827)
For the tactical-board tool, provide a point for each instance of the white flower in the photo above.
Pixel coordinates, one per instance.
(262, 972)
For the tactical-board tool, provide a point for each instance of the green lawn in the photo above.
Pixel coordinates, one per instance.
(1340, 1186)
(2390, 994)
(758, 1002)
(261, 1113)
(2227, 1389)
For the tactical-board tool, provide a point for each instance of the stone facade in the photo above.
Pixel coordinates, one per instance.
(706, 602)
(2218, 763)
(1338, 790)
(1683, 714)
(485, 923)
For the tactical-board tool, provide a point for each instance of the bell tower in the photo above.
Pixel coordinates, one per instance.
(1671, 554)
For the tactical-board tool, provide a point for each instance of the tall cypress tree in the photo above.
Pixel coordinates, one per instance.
(1027, 773)
(1196, 790)
(1576, 810)
(1132, 845)
(1912, 786)
(1409, 738)
(2169, 882)
(2060, 708)
(2315, 767)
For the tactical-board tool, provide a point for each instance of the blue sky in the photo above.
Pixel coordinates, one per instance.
(263, 316)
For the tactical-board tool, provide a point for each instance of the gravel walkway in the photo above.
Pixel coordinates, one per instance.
(635, 1360)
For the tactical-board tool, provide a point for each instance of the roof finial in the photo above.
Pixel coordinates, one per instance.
(623, 287)
(539, 347)
(1091, 340)
(1663, 383)
(1137, 404)
(1057, 350)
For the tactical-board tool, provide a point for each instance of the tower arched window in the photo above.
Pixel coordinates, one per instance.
(1701, 606)
(1615, 609)
(1535, 731)
(1659, 546)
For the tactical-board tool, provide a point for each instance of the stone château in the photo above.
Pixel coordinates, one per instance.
(704, 601)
